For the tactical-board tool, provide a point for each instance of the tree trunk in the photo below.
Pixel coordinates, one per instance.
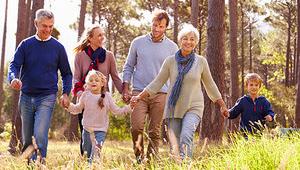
(297, 59)
(82, 17)
(202, 22)
(297, 109)
(28, 10)
(234, 70)
(294, 62)
(73, 130)
(250, 47)
(265, 75)
(36, 4)
(175, 20)
(288, 53)
(108, 36)
(212, 126)
(164, 4)
(242, 47)
(2, 62)
(15, 143)
(94, 11)
(194, 13)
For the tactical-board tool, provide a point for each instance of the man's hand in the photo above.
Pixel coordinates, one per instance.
(126, 95)
(16, 84)
(64, 101)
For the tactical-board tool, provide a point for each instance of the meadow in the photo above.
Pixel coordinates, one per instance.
(262, 153)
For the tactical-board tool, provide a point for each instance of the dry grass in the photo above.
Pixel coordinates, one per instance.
(264, 152)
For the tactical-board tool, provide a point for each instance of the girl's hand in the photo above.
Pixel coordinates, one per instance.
(78, 94)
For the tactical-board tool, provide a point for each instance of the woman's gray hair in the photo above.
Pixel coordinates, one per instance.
(188, 28)
(43, 13)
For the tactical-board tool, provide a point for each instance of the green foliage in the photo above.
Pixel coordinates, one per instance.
(5, 135)
(119, 127)
(55, 33)
(266, 93)
(60, 120)
(7, 97)
(283, 103)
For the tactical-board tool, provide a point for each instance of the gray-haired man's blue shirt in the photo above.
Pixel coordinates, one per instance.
(145, 59)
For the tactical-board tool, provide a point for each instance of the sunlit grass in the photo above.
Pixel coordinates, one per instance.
(261, 153)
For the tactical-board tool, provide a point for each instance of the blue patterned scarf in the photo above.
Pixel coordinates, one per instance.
(97, 57)
(182, 70)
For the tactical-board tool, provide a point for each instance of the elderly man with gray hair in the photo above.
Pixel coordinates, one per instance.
(39, 58)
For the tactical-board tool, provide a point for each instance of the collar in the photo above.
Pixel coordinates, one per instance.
(38, 38)
(149, 36)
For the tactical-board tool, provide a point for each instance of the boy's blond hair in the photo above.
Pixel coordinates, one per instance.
(253, 77)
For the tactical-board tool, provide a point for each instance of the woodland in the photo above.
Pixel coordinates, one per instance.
(236, 37)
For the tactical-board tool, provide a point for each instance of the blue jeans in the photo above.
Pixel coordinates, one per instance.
(36, 115)
(87, 143)
(181, 134)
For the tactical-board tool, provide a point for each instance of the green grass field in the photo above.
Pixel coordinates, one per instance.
(256, 153)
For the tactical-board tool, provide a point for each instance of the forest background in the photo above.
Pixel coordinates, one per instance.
(236, 37)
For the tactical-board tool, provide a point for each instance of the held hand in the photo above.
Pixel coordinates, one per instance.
(126, 96)
(16, 84)
(225, 112)
(134, 100)
(132, 105)
(64, 101)
(78, 94)
(268, 118)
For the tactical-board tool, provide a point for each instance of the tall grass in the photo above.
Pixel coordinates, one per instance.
(265, 152)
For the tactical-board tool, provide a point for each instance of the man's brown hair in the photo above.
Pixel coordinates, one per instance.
(160, 15)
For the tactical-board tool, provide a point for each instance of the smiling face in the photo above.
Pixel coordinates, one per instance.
(97, 38)
(253, 88)
(44, 27)
(95, 84)
(158, 29)
(187, 43)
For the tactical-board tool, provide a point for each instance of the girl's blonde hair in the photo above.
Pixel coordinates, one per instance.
(102, 78)
(84, 40)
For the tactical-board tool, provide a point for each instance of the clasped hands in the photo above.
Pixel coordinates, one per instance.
(129, 99)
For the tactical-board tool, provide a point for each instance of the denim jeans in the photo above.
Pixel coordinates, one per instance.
(181, 134)
(87, 143)
(36, 115)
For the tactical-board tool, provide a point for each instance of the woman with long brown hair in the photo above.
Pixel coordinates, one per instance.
(90, 54)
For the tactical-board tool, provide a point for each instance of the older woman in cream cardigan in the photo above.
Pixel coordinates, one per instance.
(185, 105)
